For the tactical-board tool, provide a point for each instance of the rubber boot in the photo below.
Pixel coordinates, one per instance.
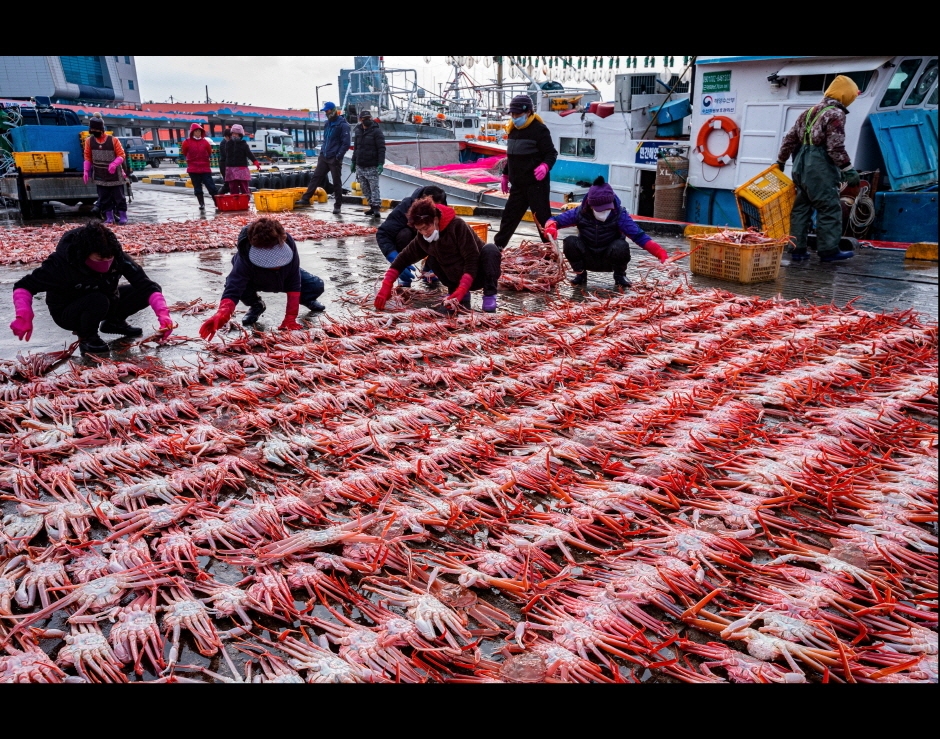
(202, 202)
(109, 216)
(620, 280)
(489, 303)
(93, 344)
(122, 328)
(254, 313)
(122, 218)
(579, 279)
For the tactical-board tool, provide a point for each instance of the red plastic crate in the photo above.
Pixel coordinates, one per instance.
(232, 202)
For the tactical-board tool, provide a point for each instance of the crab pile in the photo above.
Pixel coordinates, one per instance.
(535, 266)
(674, 485)
(32, 244)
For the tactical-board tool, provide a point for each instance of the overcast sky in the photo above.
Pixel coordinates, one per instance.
(278, 81)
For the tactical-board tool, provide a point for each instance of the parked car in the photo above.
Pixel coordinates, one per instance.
(136, 145)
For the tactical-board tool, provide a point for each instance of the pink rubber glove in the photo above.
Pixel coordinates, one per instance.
(115, 164)
(22, 326)
(461, 292)
(87, 175)
(656, 250)
(386, 290)
(541, 172)
(158, 303)
(504, 184)
(551, 229)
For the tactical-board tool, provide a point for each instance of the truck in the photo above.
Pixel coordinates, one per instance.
(40, 127)
(272, 144)
(144, 151)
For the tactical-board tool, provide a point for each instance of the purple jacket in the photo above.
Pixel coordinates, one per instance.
(580, 217)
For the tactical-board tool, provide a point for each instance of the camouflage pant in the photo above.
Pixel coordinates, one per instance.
(369, 181)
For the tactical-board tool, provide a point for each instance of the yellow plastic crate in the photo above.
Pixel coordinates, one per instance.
(39, 161)
(480, 228)
(765, 202)
(273, 201)
(741, 263)
(297, 191)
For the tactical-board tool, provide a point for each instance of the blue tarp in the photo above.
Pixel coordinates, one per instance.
(50, 138)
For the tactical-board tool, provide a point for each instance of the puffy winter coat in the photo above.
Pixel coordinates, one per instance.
(369, 149)
(284, 279)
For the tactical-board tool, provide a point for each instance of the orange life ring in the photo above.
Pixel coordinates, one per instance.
(734, 138)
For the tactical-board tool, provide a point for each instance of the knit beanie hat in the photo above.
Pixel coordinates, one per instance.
(238, 128)
(520, 104)
(600, 196)
(96, 124)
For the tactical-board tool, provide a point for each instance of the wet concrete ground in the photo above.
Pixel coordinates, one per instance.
(878, 280)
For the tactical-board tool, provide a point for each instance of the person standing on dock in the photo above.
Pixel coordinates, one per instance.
(330, 161)
(197, 151)
(226, 137)
(80, 279)
(368, 159)
(530, 155)
(395, 234)
(265, 259)
(104, 159)
(600, 245)
(237, 156)
(820, 163)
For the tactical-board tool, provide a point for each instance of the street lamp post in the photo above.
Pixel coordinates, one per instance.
(317, 90)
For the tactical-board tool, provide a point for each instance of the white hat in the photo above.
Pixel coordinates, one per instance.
(272, 257)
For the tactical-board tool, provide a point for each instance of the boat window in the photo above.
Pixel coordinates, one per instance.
(568, 146)
(573, 147)
(458, 124)
(586, 148)
(900, 82)
(932, 100)
(927, 78)
(821, 82)
(469, 123)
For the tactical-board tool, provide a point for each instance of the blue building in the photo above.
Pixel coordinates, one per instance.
(70, 79)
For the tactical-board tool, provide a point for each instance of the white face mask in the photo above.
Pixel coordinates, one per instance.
(435, 235)
(602, 215)
(197, 135)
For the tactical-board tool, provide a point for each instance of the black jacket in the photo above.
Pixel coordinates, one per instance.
(284, 279)
(223, 154)
(237, 153)
(368, 146)
(526, 149)
(395, 222)
(65, 278)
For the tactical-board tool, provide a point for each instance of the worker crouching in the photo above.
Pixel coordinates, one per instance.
(266, 260)
(600, 245)
(454, 253)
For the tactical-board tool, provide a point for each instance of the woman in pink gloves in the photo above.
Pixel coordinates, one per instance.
(603, 227)
(454, 253)
(104, 157)
(530, 155)
(197, 151)
(80, 279)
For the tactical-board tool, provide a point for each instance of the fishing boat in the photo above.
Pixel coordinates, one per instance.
(722, 119)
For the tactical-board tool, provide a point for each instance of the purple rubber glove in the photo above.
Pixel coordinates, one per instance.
(504, 184)
(87, 175)
(22, 326)
(541, 172)
(158, 303)
(116, 163)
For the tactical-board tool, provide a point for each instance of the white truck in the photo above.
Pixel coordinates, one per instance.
(272, 143)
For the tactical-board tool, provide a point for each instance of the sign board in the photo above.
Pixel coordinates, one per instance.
(716, 82)
(647, 152)
(719, 103)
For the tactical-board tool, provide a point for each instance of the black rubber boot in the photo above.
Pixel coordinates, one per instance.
(120, 327)
(254, 313)
(579, 279)
(93, 344)
(314, 305)
(620, 280)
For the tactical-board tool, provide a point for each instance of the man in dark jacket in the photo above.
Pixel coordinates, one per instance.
(335, 145)
(600, 245)
(395, 234)
(267, 260)
(530, 155)
(80, 280)
(455, 253)
(368, 159)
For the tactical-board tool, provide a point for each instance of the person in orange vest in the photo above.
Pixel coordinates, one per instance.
(104, 157)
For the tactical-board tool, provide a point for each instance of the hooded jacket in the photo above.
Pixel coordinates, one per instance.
(388, 232)
(197, 152)
(284, 279)
(369, 150)
(826, 122)
(456, 251)
(65, 278)
(526, 149)
(335, 138)
(598, 234)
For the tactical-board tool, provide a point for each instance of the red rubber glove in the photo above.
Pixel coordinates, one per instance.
(258, 166)
(541, 172)
(551, 230)
(290, 315)
(504, 184)
(461, 292)
(115, 164)
(87, 175)
(221, 317)
(656, 250)
(22, 326)
(158, 303)
(385, 292)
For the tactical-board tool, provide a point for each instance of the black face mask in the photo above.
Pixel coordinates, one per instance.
(366, 122)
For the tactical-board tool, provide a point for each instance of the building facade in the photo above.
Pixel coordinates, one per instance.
(70, 79)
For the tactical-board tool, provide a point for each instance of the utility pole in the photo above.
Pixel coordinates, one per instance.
(499, 81)
(207, 94)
